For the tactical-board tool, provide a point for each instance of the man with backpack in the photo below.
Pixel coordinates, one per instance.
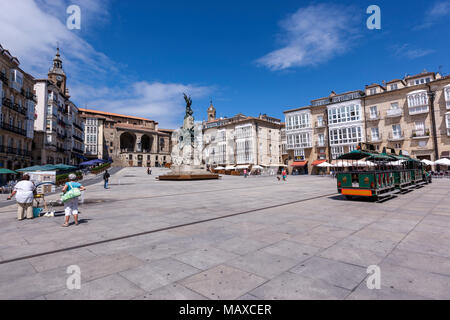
(106, 176)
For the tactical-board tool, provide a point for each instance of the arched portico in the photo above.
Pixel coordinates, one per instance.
(127, 142)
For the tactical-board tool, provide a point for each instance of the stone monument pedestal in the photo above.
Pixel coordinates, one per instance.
(188, 173)
(187, 151)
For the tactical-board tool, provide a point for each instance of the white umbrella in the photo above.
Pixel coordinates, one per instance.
(397, 163)
(428, 162)
(242, 166)
(257, 167)
(230, 168)
(325, 165)
(341, 164)
(362, 163)
(219, 168)
(443, 162)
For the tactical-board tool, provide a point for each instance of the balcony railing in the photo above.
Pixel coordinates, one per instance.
(397, 136)
(375, 139)
(14, 106)
(320, 124)
(77, 150)
(15, 151)
(299, 146)
(78, 126)
(393, 113)
(321, 144)
(126, 150)
(7, 126)
(374, 116)
(420, 134)
(78, 138)
(3, 78)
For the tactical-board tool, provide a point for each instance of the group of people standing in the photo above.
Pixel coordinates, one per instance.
(25, 190)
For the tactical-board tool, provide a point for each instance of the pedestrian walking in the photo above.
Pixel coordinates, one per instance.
(149, 171)
(106, 176)
(72, 190)
(24, 192)
(245, 173)
(284, 174)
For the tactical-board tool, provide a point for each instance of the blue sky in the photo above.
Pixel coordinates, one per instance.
(137, 57)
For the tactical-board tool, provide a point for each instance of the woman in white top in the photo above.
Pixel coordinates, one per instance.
(24, 192)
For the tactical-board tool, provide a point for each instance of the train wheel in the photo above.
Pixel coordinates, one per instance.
(348, 197)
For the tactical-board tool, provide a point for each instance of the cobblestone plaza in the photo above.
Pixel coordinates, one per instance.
(235, 238)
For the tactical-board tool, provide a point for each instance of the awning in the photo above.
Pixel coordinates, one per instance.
(317, 162)
(230, 168)
(299, 163)
(242, 166)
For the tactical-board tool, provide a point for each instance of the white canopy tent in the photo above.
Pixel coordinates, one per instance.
(443, 162)
(428, 162)
(257, 167)
(397, 163)
(230, 168)
(219, 168)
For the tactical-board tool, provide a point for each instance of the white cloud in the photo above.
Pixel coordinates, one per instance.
(162, 102)
(406, 51)
(435, 14)
(313, 35)
(31, 29)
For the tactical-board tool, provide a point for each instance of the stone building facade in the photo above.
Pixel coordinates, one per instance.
(126, 140)
(58, 126)
(241, 140)
(410, 114)
(17, 106)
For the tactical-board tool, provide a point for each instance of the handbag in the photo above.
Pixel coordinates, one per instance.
(72, 193)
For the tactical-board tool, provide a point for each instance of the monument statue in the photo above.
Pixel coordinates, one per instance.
(187, 150)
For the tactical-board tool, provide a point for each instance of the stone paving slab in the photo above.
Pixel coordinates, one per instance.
(315, 249)
(223, 283)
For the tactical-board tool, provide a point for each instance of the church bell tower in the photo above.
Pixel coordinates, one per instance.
(211, 113)
(56, 73)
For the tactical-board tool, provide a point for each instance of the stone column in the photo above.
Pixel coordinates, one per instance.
(138, 145)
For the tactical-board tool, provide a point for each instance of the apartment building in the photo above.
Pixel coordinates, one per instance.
(241, 140)
(329, 127)
(59, 132)
(17, 104)
(410, 114)
(128, 141)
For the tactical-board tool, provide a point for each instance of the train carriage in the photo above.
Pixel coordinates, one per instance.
(384, 175)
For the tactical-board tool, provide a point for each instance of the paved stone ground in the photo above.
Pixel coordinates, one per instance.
(313, 249)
